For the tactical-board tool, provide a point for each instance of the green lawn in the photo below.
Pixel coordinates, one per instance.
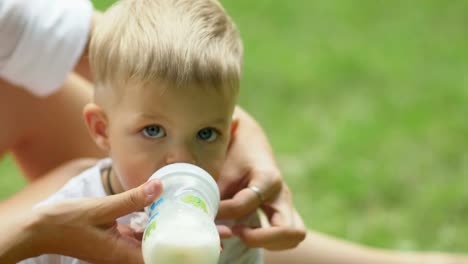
(366, 105)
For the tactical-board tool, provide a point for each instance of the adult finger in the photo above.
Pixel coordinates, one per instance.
(246, 200)
(128, 233)
(224, 231)
(241, 204)
(280, 211)
(112, 207)
(271, 238)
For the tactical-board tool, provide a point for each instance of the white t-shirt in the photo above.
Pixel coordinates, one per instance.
(41, 41)
(89, 185)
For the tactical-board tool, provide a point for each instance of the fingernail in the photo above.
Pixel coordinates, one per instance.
(150, 187)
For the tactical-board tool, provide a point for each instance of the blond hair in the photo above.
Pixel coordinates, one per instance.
(182, 42)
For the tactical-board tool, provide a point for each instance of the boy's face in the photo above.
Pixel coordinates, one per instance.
(151, 127)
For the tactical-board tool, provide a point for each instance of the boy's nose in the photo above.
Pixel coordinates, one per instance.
(180, 155)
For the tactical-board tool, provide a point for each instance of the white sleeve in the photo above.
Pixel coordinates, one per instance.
(41, 41)
(52, 259)
(234, 250)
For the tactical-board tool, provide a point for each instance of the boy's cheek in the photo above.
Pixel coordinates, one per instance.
(215, 168)
(134, 170)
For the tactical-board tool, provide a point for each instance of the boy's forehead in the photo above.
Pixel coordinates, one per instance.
(159, 100)
(160, 88)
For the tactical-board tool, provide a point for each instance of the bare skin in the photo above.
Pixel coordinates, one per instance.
(58, 119)
(48, 229)
(32, 127)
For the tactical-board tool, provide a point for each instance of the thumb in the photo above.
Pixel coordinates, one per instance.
(112, 207)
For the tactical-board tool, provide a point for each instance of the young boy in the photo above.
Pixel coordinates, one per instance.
(167, 77)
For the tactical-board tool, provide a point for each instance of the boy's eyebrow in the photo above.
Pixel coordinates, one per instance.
(217, 121)
(150, 116)
(220, 121)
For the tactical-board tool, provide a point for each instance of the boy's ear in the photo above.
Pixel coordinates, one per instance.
(97, 123)
(234, 125)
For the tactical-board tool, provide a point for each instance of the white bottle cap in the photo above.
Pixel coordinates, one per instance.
(190, 176)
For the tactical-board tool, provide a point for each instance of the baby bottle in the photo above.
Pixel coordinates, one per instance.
(181, 229)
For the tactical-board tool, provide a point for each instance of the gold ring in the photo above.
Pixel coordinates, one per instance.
(257, 192)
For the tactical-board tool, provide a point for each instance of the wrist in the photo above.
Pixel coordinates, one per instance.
(17, 242)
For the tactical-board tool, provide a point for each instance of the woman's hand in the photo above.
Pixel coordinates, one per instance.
(285, 230)
(250, 163)
(81, 228)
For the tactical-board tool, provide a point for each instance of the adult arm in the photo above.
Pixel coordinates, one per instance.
(250, 162)
(82, 228)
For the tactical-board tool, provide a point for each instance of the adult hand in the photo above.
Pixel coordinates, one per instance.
(81, 228)
(250, 163)
(285, 227)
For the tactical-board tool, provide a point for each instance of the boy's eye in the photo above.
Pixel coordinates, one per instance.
(207, 134)
(154, 131)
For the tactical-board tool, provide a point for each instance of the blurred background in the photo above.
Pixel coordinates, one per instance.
(366, 106)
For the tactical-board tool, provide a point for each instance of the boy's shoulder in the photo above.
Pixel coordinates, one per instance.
(87, 184)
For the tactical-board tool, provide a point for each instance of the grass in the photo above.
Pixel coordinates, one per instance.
(366, 105)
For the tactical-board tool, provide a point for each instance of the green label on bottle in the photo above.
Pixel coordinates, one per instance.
(195, 201)
(149, 229)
